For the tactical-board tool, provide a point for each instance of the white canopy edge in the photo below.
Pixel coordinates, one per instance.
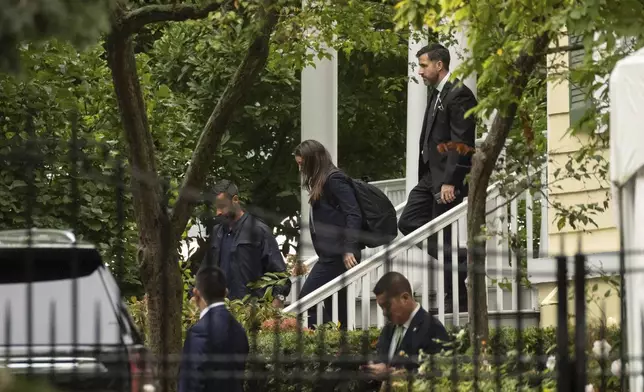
(626, 122)
(627, 177)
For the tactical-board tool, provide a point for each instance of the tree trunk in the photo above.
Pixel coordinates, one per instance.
(159, 266)
(483, 163)
(163, 284)
(160, 231)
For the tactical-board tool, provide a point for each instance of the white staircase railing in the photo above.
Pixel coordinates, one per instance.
(298, 281)
(408, 255)
(395, 191)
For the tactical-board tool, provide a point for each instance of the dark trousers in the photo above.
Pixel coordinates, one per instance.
(420, 209)
(324, 271)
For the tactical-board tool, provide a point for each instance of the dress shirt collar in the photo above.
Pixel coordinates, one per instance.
(411, 317)
(213, 305)
(442, 83)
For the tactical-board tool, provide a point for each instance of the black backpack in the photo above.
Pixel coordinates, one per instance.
(379, 221)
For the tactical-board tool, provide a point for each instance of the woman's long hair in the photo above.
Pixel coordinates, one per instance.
(316, 166)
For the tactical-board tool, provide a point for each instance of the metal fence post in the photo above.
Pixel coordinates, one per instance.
(563, 380)
(580, 322)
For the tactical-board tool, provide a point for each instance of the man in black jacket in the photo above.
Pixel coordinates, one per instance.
(410, 328)
(446, 148)
(243, 247)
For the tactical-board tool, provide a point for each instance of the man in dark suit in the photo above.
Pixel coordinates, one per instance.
(216, 347)
(410, 328)
(446, 148)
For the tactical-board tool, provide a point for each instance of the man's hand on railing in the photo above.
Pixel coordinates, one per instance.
(350, 260)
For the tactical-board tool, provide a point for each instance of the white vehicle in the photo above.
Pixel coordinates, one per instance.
(62, 317)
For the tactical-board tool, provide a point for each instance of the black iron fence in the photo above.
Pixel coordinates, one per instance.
(87, 303)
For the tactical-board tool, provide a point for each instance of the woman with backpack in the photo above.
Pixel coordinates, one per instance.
(335, 222)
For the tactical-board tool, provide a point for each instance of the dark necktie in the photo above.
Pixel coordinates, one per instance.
(430, 120)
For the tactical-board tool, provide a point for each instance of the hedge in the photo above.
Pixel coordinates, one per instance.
(288, 361)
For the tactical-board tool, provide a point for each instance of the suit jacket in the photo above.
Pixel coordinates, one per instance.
(214, 354)
(337, 219)
(425, 333)
(451, 138)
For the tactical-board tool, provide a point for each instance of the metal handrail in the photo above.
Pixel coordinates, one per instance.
(389, 182)
(378, 259)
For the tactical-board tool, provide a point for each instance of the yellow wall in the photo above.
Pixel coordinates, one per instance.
(599, 309)
(604, 238)
(571, 191)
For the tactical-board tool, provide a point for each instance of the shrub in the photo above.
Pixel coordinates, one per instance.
(287, 358)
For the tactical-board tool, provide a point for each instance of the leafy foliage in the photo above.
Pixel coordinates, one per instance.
(514, 359)
(79, 22)
(62, 154)
(509, 42)
(195, 59)
(183, 69)
(498, 33)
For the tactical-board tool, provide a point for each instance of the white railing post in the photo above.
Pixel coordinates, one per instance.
(543, 238)
(425, 274)
(529, 226)
(514, 231)
(499, 231)
(440, 269)
(416, 102)
(455, 271)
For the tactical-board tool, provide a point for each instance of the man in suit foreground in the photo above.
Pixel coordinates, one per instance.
(446, 147)
(216, 347)
(410, 328)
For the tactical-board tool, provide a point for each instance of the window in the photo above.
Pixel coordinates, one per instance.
(578, 95)
(46, 264)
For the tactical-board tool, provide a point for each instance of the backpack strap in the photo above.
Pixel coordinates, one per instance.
(328, 195)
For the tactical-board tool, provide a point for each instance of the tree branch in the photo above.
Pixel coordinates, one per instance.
(203, 156)
(133, 21)
(567, 48)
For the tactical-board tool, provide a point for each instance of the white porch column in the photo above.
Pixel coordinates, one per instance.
(416, 102)
(319, 113)
(460, 52)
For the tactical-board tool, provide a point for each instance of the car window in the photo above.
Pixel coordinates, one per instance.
(52, 291)
(38, 264)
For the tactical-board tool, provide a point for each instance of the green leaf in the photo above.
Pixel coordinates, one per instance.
(163, 91)
(576, 14)
(17, 184)
(561, 223)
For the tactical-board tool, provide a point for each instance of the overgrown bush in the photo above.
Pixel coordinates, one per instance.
(286, 357)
